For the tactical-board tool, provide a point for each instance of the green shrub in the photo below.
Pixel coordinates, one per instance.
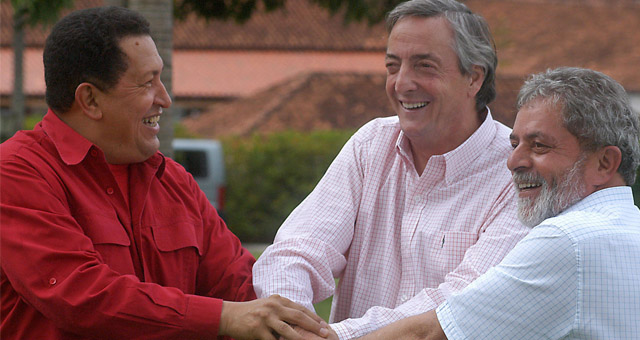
(636, 190)
(269, 175)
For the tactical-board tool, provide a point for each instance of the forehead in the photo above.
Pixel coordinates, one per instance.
(141, 53)
(421, 32)
(541, 118)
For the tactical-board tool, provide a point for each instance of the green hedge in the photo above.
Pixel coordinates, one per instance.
(636, 190)
(269, 175)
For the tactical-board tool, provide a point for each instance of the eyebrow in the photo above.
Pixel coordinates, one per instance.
(533, 135)
(415, 57)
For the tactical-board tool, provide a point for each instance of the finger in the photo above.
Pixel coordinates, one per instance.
(285, 331)
(288, 303)
(266, 334)
(305, 321)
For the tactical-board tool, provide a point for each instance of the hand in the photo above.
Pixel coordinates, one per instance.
(262, 318)
(311, 336)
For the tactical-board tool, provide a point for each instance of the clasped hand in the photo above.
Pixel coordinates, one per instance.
(270, 318)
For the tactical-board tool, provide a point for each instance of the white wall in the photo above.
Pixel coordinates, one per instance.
(635, 100)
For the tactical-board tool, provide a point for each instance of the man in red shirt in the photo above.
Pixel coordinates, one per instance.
(102, 236)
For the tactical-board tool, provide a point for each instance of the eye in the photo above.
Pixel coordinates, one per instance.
(539, 147)
(392, 67)
(514, 144)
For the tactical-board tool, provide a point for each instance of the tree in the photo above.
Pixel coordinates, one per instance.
(160, 13)
(241, 10)
(26, 12)
(160, 16)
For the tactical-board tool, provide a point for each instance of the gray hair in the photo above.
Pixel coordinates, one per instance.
(595, 108)
(473, 41)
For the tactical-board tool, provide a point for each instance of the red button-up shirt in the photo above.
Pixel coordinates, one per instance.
(79, 263)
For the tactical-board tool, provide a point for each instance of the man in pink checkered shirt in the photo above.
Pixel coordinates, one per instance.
(415, 206)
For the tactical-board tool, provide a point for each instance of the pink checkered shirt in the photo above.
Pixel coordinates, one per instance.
(399, 243)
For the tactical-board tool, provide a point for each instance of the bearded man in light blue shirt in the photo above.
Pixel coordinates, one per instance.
(577, 274)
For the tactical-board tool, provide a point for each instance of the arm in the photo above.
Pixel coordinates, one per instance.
(499, 234)
(423, 326)
(309, 249)
(263, 318)
(532, 294)
(225, 272)
(51, 264)
(540, 273)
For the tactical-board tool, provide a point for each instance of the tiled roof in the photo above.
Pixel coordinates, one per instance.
(301, 25)
(306, 102)
(227, 59)
(533, 35)
(318, 101)
(202, 74)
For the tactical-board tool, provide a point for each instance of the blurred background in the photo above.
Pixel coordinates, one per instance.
(282, 84)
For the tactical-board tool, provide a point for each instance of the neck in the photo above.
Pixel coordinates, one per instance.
(442, 140)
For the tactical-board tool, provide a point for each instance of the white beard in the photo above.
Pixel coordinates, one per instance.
(554, 198)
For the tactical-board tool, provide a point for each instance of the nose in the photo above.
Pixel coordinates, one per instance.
(162, 98)
(405, 80)
(518, 159)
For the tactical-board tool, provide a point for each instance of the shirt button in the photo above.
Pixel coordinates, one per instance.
(405, 298)
(52, 281)
(94, 153)
(110, 191)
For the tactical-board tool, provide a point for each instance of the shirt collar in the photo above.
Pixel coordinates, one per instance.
(73, 147)
(603, 198)
(457, 160)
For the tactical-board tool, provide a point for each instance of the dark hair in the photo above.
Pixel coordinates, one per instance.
(473, 41)
(595, 109)
(84, 47)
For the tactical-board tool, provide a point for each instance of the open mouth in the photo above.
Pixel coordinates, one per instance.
(413, 106)
(527, 186)
(151, 121)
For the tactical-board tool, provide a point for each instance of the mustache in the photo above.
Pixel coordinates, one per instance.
(521, 177)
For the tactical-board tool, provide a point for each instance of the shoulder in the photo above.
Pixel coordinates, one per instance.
(501, 143)
(175, 171)
(379, 131)
(23, 145)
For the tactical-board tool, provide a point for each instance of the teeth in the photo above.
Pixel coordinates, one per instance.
(411, 106)
(528, 185)
(152, 121)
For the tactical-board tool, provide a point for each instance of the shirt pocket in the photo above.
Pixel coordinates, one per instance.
(110, 240)
(178, 252)
(453, 246)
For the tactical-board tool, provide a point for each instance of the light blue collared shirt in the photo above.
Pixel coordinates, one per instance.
(575, 276)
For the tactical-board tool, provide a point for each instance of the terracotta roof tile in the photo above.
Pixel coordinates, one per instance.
(306, 102)
(301, 25)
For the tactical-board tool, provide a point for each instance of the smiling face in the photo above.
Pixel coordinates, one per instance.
(432, 98)
(131, 110)
(547, 163)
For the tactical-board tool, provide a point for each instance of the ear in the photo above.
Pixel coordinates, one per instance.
(86, 94)
(606, 162)
(475, 80)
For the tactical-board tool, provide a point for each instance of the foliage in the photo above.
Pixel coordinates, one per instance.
(33, 12)
(181, 131)
(269, 175)
(323, 308)
(636, 190)
(241, 10)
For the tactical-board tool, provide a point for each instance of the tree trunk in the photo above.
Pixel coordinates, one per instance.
(16, 122)
(160, 15)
